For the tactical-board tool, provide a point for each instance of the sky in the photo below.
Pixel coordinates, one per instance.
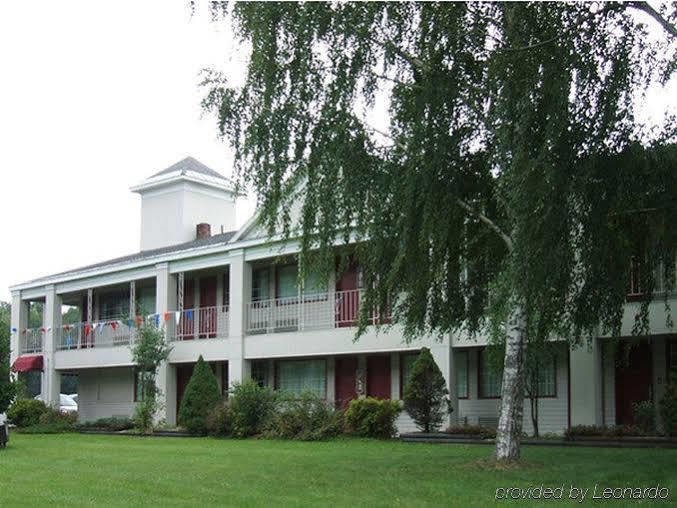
(95, 97)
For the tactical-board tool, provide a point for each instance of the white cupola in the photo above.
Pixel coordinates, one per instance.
(178, 199)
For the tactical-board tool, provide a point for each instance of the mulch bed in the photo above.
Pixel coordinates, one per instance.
(591, 441)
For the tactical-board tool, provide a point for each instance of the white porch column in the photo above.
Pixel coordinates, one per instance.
(51, 378)
(443, 354)
(240, 283)
(585, 384)
(19, 323)
(165, 301)
(396, 390)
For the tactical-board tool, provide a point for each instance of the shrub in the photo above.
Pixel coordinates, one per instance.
(55, 417)
(603, 431)
(26, 412)
(113, 424)
(202, 394)
(644, 414)
(668, 407)
(219, 420)
(479, 431)
(306, 418)
(144, 414)
(372, 417)
(47, 428)
(425, 393)
(251, 406)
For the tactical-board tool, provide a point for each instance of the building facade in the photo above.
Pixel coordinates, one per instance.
(232, 297)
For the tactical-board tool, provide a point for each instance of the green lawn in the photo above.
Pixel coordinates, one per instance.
(74, 469)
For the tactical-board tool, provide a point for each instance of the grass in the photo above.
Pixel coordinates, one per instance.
(75, 470)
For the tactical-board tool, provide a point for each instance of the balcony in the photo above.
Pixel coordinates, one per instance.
(104, 334)
(339, 309)
(202, 323)
(31, 341)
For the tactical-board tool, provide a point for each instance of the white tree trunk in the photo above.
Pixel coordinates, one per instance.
(509, 430)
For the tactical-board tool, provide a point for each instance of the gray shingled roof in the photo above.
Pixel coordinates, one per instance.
(190, 164)
(144, 254)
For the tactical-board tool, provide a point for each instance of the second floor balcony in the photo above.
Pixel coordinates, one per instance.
(339, 309)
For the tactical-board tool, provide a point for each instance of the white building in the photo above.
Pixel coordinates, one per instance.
(231, 296)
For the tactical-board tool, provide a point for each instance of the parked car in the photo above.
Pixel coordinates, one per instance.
(66, 403)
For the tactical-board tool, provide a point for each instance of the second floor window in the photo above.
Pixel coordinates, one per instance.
(260, 284)
(286, 282)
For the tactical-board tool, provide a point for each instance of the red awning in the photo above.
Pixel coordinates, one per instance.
(26, 363)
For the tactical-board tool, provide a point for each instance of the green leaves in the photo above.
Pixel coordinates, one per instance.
(469, 155)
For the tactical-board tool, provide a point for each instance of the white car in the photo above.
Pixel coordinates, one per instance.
(66, 403)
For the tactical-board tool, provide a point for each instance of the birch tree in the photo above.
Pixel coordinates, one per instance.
(484, 159)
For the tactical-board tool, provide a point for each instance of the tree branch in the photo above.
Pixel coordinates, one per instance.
(492, 225)
(645, 7)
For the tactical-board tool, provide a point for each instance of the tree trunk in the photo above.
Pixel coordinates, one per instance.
(509, 432)
(534, 415)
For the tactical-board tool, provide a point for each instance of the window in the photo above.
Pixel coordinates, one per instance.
(547, 385)
(145, 300)
(260, 372)
(313, 286)
(299, 376)
(286, 282)
(260, 284)
(114, 306)
(490, 377)
(142, 383)
(406, 363)
(672, 362)
(461, 361)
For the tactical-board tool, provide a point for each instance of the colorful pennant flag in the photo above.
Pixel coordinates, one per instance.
(114, 324)
(138, 320)
(166, 316)
(130, 322)
(177, 315)
(189, 314)
(156, 319)
(13, 330)
(88, 327)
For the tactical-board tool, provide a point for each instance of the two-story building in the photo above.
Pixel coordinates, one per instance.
(232, 296)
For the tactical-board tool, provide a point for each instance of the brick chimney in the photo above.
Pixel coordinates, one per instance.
(203, 230)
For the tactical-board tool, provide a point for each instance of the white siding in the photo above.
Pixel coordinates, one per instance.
(609, 387)
(552, 410)
(103, 393)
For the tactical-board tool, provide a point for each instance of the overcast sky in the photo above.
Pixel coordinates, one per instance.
(94, 97)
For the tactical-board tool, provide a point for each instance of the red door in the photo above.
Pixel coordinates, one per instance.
(346, 368)
(633, 381)
(347, 297)
(186, 326)
(208, 307)
(183, 373)
(378, 377)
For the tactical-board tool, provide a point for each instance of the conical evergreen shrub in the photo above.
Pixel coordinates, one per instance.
(425, 393)
(200, 397)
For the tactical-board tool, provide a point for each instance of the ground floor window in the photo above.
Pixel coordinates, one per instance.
(142, 383)
(461, 363)
(490, 375)
(225, 380)
(30, 383)
(672, 361)
(406, 364)
(544, 377)
(298, 376)
(260, 372)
